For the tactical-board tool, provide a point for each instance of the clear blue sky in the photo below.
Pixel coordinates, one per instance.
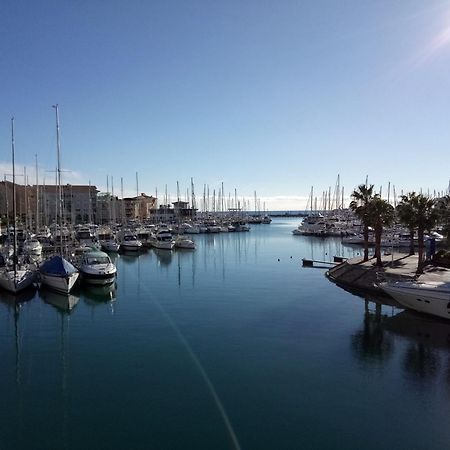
(272, 96)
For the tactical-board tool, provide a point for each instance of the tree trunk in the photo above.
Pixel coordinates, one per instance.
(411, 241)
(366, 243)
(420, 233)
(378, 233)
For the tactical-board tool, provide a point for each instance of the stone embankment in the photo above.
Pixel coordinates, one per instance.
(354, 273)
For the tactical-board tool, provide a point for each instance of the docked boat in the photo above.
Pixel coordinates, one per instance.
(191, 228)
(14, 277)
(163, 239)
(130, 242)
(145, 236)
(59, 274)
(429, 297)
(84, 234)
(184, 242)
(107, 240)
(110, 246)
(32, 246)
(97, 268)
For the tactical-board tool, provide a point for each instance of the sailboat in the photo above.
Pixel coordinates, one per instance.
(58, 273)
(16, 278)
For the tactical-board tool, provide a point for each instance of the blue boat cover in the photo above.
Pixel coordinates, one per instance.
(57, 265)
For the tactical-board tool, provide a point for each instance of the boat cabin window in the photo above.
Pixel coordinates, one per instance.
(98, 260)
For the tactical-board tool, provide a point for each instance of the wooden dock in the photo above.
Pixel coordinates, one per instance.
(317, 263)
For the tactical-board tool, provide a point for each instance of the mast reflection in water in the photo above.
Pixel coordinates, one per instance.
(233, 345)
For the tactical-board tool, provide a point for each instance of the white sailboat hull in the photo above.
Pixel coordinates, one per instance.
(17, 282)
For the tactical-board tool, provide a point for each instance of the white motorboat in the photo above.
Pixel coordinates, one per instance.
(184, 242)
(97, 268)
(130, 242)
(59, 274)
(107, 240)
(110, 245)
(191, 228)
(145, 236)
(163, 239)
(428, 297)
(32, 246)
(84, 234)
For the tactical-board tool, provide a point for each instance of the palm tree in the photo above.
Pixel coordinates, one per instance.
(443, 206)
(407, 216)
(426, 216)
(381, 214)
(362, 196)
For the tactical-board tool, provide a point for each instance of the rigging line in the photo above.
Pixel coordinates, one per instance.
(204, 375)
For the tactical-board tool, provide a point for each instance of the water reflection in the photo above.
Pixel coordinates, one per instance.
(371, 343)
(164, 256)
(421, 361)
(420, 328)
(95, 295)
(63, 303)
(21, 297)
(426, 338)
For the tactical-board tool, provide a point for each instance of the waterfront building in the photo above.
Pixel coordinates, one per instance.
(38, 204)
(140, 207)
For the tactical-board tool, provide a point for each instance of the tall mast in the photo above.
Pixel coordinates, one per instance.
(14, 199)
(7, 206)
(113, 202)
(25, 197)
(58, 171)
(137, 185)
(108, 197)
(37, 195)
(90, 203)
(122, 209)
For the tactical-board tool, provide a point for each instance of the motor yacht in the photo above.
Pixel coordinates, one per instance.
(97, 268)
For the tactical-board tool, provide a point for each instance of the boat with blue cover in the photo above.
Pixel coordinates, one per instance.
(59, 274)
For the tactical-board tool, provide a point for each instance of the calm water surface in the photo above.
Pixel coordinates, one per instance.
(234, 345)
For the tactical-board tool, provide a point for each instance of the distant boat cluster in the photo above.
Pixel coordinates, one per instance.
(59, 256)
(344, 224)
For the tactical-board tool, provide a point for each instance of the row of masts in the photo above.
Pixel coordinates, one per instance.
(336, 200)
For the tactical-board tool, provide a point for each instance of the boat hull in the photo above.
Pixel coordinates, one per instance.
(18, 282)
(98, 279)
(164, 245)
(63, 284)
(427, 300)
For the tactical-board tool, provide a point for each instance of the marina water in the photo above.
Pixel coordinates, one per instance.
(233, 345)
